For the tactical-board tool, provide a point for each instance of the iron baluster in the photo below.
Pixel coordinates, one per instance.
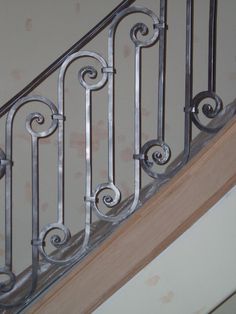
(210, 111)
(212, 46)
(188, 77)
(162, 71)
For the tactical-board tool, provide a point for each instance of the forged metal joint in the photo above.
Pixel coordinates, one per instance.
(37, 242)
(89, 199)
(108, 70)
(3, 163)
(58, 117)
(160, 25)
(139, 156)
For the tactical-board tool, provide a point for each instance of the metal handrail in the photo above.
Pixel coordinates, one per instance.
(58, 62)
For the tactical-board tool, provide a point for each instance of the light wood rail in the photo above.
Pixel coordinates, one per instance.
(178, 205)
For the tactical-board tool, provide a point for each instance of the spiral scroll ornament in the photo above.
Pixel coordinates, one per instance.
(35, 116)
(39, 119)
(138, 33)
(2, 166)
(159, 157)
(85, 72)
(208, 110)
(110, 200)
(56, 240)
(92, 74)
(5, 272)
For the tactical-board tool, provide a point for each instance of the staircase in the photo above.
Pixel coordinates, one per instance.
(87, 134)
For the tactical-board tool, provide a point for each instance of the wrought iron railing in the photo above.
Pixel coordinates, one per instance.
(145, 155)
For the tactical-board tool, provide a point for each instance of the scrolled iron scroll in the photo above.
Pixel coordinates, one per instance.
(57, 241)
(38, 118)
(2, 166)
(138, 35)
(207, 109)
(92, 73)
(143, 30)
(140, 30)
(109, 200)
(159, 157)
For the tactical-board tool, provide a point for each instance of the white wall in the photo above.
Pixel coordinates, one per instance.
(192, 275)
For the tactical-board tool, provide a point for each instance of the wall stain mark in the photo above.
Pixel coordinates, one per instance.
(16, 74)
(44, 206)
(126, 51)
(77, 7)
(121, 138)
(28, 192)
(28, 24)
(126, 154)
(77, 140)
(167, 298)
(232, 76)
(152, 281)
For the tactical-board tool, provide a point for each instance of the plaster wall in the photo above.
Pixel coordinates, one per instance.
(192, 275)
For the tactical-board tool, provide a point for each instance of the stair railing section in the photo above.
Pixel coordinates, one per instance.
(141, 151)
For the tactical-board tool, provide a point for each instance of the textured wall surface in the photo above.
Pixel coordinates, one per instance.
(32, 34)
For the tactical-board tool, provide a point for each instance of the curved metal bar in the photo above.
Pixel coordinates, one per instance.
(7, 270)
(59, 225)
(58, 62)
(142, 30)
(162, 72)
(162, 155)
(208, 110)
(139, 27)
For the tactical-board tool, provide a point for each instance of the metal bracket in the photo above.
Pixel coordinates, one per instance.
(58, 117)
(109, 70)
(139, 156)
(161, 25)
(3, 163)
(191, 110)
(37, 242)
(89, 199)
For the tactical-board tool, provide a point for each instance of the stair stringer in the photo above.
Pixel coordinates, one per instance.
(152, 228)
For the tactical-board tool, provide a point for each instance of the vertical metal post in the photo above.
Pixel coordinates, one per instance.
(162, 70)
(61, 155)
(137, 119)
(111, 138)
(188, 74)
(8, 196)
(212, 46)
(8, 217)
(35, 210)
(88, 185)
